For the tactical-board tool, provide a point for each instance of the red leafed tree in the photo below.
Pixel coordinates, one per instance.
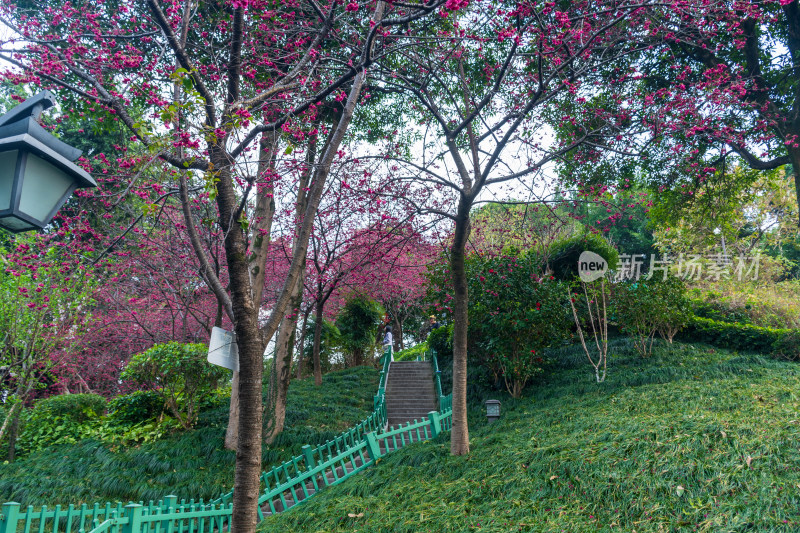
(356, 233)
(216, 91)
(152, 294)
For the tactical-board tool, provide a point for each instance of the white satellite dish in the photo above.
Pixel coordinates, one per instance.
(222, 349)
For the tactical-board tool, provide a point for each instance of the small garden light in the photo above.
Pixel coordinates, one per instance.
(37, 173)
(492, 410)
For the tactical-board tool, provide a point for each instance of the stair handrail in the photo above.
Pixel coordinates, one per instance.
(431, 356)
(140, 518)
(386, 361)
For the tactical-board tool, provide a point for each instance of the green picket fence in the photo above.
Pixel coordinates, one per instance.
(283, 487)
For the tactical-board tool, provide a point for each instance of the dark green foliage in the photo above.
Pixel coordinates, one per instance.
(358, 323)
(693, 438)
(135, 407)
(178, 372)
(646, 307)
(329, 342)
(76, 407)
(440, 341)
(788, 345)
(67, 418)
(734, 336)
(564, 254)
(411, 354)
(190, 464)
(513, 315)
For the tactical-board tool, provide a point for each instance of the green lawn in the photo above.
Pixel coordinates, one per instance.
(693, 439)
(191, 464)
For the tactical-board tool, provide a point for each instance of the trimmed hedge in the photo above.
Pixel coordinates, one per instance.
(742, 337)
(411, 354)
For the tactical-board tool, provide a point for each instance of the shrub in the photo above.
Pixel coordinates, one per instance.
(788, 345)
(179, 373)
(646, 307)
(63, 419)
(672, 308)
(589, 305)
(766, 305)
(516, 314)
(633, 304)
(564, 254)
(76, 407)
(743, 337)
(329, 341)
(441, 341)
(411, 354)
(135, 407)
(358, 323)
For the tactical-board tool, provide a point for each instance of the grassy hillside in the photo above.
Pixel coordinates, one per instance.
(192, 464)
(693, 439)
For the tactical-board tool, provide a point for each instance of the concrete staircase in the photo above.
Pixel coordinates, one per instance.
(410, 392)
(410, 395)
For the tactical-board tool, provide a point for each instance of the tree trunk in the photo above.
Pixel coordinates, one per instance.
(13, 433)
(459, 437)
(9, 417)
(282, 368)
(248, 340)
(398, 332)
(302, 345)
(794, 155)
(232, 433)
(317, 341)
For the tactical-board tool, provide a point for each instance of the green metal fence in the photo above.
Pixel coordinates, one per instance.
(283, 486)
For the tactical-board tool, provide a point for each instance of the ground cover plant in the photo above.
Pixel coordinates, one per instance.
(693, 438)
(189, 464)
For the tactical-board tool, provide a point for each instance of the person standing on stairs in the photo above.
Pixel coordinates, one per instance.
(387, 338)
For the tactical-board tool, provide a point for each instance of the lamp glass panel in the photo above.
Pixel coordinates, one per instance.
(493, 409)
(14, 224)
(8, 166)
(43, 187)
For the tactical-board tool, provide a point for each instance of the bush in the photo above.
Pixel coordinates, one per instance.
(411, 354)
(440, 340)
(135, 407)
(329, 341)
(646, 307)
(564, 254)
(766, 305)
(358, 323)
(514, 314)
(75, 407)
(179, 373)
(63, 419)
(788, 345)
(741, 337)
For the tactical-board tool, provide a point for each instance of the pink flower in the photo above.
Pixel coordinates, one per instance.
(352, 6)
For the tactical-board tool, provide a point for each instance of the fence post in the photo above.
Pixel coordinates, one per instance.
(310, 462)
(372, 444)
(134, 513)
(436, 426)
(168, 508)
(8, 521)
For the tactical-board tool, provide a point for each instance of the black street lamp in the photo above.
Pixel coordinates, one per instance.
(37, 173)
